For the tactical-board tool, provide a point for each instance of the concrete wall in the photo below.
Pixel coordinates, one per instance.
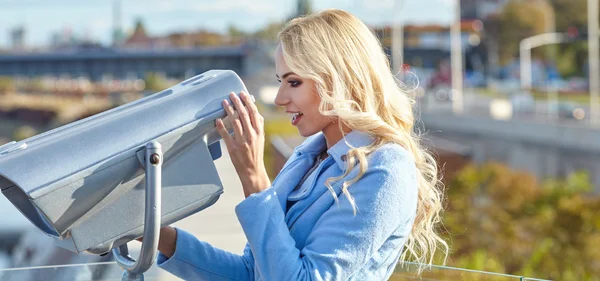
(542, 149)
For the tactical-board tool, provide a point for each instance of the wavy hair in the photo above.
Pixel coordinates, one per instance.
(353, 78)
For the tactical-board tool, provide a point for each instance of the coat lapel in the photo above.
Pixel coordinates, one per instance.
(297, 166)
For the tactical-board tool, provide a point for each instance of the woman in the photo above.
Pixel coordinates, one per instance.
(357, 196)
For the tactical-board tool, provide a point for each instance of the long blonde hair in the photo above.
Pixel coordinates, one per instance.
(353, 78)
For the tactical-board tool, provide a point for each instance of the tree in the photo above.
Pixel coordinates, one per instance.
(572, 56)
(505, 221)
(519, 20)
(7, 85)
(572, 13)
(303, 7)
(155, 82)
(140, 27)
(234, 32)
(269, 32)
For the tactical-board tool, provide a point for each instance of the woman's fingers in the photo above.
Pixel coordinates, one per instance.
(242, 115)
(224, 133)
(255, 117)
(237, 125)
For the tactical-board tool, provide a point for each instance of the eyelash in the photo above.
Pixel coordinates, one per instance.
(293, 83)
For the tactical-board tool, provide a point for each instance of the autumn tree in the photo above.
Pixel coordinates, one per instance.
(505, 221)
(518, 20)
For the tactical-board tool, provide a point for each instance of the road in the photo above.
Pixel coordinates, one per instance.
(475, 104)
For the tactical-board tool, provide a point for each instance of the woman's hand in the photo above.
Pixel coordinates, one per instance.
(167, 241)
(246, 146)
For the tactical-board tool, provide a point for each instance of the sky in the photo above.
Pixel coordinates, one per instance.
(93, 18)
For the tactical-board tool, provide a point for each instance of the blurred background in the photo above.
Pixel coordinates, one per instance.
(506, 91)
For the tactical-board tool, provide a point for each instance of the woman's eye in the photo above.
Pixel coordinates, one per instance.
(294, 83)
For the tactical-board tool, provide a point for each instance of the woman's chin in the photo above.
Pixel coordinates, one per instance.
(306, 133)
(302, 133)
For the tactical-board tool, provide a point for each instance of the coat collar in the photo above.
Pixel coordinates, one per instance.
(317, 143)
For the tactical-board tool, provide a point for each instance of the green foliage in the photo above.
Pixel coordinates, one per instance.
(269, 32)
(519, 20)
(502, 220)
(6, 85)
(235, 32)
(572, 57)
(155, 82)
(567, 62)
(571, 13)
(276, 127)
(24, 132)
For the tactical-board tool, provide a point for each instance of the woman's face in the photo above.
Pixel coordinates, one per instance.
(299, 98)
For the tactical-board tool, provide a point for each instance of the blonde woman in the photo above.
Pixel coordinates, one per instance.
(355, 198)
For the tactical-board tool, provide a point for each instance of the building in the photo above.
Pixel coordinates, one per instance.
(426, 46)
(17, 38)
(480, 9)
(97, 62)
(140, 39)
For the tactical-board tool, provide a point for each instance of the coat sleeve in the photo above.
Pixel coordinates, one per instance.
(197, 260)
(340, 242)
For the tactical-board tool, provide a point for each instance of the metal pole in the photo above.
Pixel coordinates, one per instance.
(525, 64)
(525, 47)
(398, 47)
(552, 103)
(593, 45)
(397, 38)
(134, 270)
(457, 61)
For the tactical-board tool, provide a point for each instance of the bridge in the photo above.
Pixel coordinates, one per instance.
(544, 149)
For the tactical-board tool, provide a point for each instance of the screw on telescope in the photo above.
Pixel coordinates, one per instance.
(154, 159)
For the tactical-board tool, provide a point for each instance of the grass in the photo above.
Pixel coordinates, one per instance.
(275, 125)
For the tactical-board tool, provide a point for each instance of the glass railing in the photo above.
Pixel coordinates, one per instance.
(407, 272)
(103, 271)
(111, 271)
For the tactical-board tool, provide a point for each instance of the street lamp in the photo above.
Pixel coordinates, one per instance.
(594, 63)
(397, 38)
(525, 47)
(456, 61)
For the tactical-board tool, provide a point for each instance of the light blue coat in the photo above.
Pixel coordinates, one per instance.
(317, 239)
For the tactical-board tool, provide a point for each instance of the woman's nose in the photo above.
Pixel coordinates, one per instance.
(281, 99)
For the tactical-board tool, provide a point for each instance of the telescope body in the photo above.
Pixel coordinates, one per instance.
(84, 183)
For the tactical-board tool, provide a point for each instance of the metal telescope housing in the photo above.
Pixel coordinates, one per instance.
(86, 183)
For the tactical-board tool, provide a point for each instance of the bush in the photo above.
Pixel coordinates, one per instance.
(504, 221)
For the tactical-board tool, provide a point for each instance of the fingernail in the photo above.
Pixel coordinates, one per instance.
(252, 98)
(225, 102)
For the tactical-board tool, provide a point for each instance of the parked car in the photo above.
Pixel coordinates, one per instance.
(567, 110)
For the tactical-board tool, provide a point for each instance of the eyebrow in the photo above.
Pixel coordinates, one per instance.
(285, 75)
